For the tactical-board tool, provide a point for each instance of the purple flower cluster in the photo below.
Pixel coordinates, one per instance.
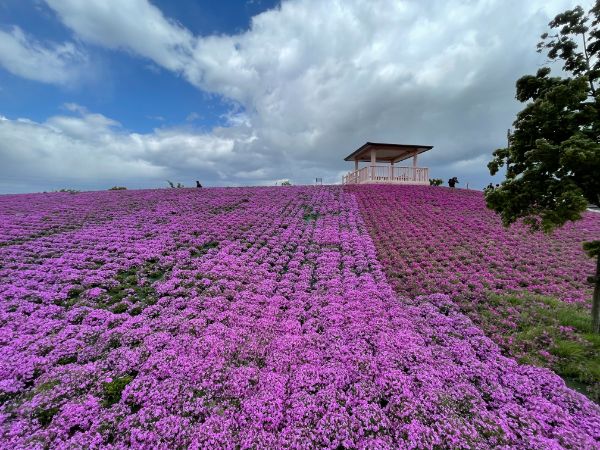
(440, 240)
(244, 318)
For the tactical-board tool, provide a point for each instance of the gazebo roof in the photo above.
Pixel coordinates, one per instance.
(387, 152)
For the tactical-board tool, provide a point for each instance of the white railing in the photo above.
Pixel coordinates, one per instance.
(388, 174)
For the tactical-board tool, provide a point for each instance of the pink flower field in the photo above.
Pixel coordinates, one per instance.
(444, 240)
(284, 317)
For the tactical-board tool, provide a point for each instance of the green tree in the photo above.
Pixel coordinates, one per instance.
(552, 159)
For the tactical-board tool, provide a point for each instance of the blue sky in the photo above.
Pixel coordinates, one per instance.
(95, 93)
(134, 91)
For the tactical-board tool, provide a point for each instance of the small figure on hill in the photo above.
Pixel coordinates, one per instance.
(198, 185)
(452, 182)
(489, 186)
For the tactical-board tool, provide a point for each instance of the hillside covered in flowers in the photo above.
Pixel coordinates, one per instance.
(295, 317)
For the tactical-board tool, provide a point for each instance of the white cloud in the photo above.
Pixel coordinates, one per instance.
(74, 107)
(53, 63)
(314, 79)
(134, 25)
(92, 150)
(88, 127)
(191, 117)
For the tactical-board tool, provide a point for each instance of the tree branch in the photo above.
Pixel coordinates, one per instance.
(587, 65)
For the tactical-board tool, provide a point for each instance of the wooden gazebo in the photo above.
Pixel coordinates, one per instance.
(374, 153)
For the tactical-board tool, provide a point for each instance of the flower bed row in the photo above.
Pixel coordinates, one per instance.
(446, 241)
(438, 240)
(248, 318)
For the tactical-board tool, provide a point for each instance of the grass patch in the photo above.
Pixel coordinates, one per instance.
(135, 311)
(45, 415)
(203, 249)
(112, 391)
(47, 386)
(130, 290)
(567, 349)
(70, 359)
(546, 332)
(120, 308)
(309, 214)
(228, 208)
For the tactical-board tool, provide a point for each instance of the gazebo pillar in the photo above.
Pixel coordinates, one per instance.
(414, 171)
(355, 164)
(373, 162)
(392, 170)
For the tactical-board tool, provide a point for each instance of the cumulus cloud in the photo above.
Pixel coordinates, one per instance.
(312, 80)
(52, 63)
(91, 150)
(134, 25)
